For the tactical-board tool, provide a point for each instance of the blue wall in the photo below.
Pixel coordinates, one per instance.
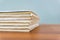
(48, 10)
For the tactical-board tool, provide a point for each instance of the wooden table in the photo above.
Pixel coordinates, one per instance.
(43, 32)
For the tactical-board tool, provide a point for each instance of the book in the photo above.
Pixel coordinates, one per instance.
(18, 21)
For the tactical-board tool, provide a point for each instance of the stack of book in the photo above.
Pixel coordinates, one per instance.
(21, 21)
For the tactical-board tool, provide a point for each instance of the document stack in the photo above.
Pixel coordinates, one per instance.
(18, 21)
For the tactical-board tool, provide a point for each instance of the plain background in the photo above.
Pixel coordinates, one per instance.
(47, 10)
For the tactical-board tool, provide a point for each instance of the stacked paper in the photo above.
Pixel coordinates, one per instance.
(21, 21)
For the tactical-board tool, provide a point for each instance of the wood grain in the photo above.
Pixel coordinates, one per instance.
(43, 32)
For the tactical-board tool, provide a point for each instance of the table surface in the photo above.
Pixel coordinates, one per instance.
(43, 32)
